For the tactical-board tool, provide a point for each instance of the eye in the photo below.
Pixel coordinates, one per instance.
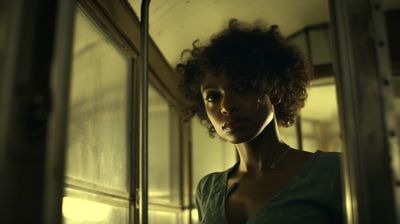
(211, 97)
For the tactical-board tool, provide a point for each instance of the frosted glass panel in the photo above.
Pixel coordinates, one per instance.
(320, 46)
(209, 154)
(97, 131)
(195, 216)
(163, 150)
(308, 127)
(320, 119)
(309, 144)
(84, 208)
(289, 136)
(157, 217)
(301, 42)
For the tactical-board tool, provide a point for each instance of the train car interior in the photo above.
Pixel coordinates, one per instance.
(90, 123)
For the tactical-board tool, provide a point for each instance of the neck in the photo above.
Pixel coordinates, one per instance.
(257, 155)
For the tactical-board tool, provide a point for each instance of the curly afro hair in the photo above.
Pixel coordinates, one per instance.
(252, 56)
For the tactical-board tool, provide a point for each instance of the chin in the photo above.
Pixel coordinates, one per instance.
(237, 138)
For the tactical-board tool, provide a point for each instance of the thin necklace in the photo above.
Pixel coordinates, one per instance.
(235, 185)
(273, 165)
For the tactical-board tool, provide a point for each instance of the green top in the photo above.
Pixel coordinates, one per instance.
(313, 196)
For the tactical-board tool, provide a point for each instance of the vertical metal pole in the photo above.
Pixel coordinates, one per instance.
(299, 134)
(57, 134)
(144, 25)
(367, 122)
(25, 105)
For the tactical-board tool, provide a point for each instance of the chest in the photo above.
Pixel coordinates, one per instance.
(248, 195)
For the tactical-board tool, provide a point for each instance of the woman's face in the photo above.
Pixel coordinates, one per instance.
(238, 116)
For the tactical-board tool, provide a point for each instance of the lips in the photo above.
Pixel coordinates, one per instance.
(232, 124)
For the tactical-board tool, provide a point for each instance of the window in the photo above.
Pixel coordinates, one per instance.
(97, 166)
(289, 136)
(164, 161)
(320, 119)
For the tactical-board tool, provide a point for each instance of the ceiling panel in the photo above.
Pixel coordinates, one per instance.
(175, 24)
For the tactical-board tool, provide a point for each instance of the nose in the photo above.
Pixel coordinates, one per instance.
(229, 104)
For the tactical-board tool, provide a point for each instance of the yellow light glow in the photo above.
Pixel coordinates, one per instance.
(195, 215)
(79, 209)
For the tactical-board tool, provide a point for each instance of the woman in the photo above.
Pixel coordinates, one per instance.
(242, 85)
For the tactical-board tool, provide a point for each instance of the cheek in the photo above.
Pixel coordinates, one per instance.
(215, 118)
(211, 114)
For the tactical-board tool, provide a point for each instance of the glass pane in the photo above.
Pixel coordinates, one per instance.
(97, 131)
(85, 208)
(163, 150)
(209, 154)
(300, 41)
(320, 120)
(185, 216)
(156, 217)
(320, 46)
(289, 136)
(195, 216)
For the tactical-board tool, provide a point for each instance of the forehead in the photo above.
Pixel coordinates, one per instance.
(214, 81)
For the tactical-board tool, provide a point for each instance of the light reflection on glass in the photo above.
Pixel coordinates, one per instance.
(195, 215)
(156, 217)
(320, 119)
(163, 150)
(97, 118)
(83, 210)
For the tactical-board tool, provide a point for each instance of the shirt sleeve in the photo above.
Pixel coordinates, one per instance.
(202, 190)
(198, 202)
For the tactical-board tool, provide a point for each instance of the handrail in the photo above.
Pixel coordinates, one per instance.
(144, 26)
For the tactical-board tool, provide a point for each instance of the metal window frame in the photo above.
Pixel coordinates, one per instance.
(118, 18)
(98, 15)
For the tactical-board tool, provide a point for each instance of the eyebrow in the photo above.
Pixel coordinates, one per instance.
(208, 87)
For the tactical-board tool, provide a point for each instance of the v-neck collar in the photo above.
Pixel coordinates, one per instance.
(304, 170)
